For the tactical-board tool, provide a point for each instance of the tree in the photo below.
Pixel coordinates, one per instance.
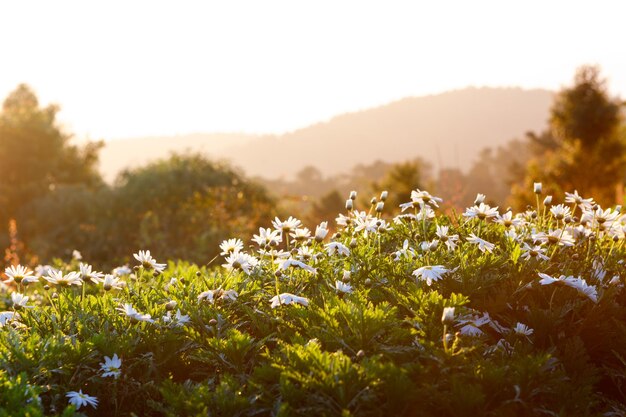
(581, 149)
(35, 153)
(400, 179)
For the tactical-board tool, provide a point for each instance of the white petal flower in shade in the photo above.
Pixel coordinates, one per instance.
(430, 273)
(111, 282)
(19, 274)
(321, 231)
(559, 236)
(179, 320)
(301, 234)
(522, 329)
(212, 295)
(287, 298)
(560, 211)
(78, 399)
(342, 287)
(129, 311)
(534, 252)
(87, 273)
(19, 300)
(444, 236)
(288, 263)
(7, 316)
(448, 315)
(483, 245)
(122, 271)
(111, 366)
(575, 198)
(336, 247)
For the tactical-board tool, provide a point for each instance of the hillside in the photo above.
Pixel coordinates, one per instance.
(447, 129)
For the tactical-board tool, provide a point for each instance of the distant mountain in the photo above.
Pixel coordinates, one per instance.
(446, 129)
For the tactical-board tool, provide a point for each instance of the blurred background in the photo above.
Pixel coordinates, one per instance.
(172, 126)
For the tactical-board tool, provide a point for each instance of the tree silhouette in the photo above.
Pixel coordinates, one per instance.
(582, 148)
(35, 154)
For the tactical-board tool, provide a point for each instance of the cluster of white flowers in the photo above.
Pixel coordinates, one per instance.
(291, 254)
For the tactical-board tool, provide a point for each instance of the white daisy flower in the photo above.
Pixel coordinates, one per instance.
(78, 399)
(321, 231)
(430, 273)
(522, 329)
(58, 278)
(560, 211)
(287, 263)
(242, 261)
(583, 203)
(341, 286)
(483, 245)
(448, 239)
(336, 247)
(212, 295)
(301, 234)
(286, 226)
(19, 300)
(128, 310)
(19, 274)
(535, 252)
(111, 366)
(267, 237)
(481, 212)
(7, 316)
(86, 273)
(111, 282)
(287, 298)
(148, 262)
(231, 245)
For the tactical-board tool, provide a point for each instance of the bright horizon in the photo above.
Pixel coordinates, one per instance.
(152, 68)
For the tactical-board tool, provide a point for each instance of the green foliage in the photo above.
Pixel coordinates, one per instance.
(181, 207)
(359, 331)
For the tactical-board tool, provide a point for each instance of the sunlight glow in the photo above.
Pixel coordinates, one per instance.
(123, 69)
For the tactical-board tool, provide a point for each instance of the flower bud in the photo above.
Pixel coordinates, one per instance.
(480, 198)
(170, 305)
(346, 276)
(212, 322)
(352, 195)
(384, 195)
(353, 243)
(547, 201)
(379, 207)
(447, 317)
(349, 204)
(537, 188)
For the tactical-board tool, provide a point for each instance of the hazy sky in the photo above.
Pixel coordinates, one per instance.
(137, 68)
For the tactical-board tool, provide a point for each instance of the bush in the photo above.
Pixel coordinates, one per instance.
(487, 313)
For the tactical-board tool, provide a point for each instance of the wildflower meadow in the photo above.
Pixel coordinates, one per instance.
(481, 313)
